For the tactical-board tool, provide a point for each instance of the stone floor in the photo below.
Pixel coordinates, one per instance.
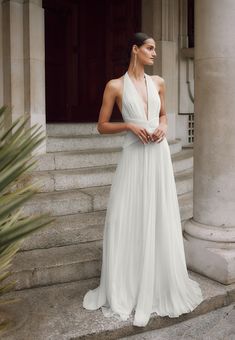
(56, 313)
(216, 325)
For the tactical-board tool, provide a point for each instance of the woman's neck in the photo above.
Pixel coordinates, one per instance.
(136, 72)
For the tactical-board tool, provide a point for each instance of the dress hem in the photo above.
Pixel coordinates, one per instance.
(109, 313)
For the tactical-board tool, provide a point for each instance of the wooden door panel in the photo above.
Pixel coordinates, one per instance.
(86, 42)
(91, 65)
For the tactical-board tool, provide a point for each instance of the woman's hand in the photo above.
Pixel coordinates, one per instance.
(141, 132)
(160, 132)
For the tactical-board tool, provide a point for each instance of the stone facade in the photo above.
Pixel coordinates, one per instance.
(210, 235)
(166, 21)
(22, 60)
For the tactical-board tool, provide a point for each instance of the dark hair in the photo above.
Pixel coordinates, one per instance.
(137, 39)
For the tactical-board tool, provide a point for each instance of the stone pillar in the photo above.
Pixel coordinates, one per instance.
(13, 58)
(210, 236)
(160, 20)
(24, 60)
(34, 61)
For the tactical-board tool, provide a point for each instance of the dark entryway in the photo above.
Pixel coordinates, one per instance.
(85, 47)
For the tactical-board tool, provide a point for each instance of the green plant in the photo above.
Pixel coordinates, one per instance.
(16, 159)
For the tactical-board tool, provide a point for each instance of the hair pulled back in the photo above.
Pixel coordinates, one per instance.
(137, 39)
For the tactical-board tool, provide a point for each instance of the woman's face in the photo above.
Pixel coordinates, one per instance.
(146, 52)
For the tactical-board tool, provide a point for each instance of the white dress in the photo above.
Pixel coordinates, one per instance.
(143, 262)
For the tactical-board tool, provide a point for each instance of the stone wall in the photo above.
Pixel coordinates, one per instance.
(22, 60)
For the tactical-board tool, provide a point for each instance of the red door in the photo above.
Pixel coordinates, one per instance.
(86, 43)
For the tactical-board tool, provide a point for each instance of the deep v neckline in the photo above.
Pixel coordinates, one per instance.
(139, 96)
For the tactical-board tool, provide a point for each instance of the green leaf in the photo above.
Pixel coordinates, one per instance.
(17, 144)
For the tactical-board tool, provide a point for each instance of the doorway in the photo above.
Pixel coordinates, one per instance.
(85, 46)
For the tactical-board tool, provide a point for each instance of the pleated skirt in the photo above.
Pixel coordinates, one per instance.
(143, 261)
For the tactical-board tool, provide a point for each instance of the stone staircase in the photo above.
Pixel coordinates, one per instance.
(61, 262)
(56, 313)
(75, 176)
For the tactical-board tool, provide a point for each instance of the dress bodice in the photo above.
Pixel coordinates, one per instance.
(133, 107)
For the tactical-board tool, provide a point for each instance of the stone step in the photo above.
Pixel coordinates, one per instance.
(68, 230)
(100, 194)
(57, 180)
(77, 159)
(186, 205)
(59, 203)
(182, 160)
(62, 316)
(184, 181)
(84, 227)
(65, 179)
(92, 141)
(43, 267)
(62, 263)
(71, 129)
(88, 157)
(87, 199)
(215, 325)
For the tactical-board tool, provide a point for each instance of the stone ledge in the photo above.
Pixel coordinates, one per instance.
(56, 312)
(215, 325)
(70, 259)
(74, 229)
(59, 180)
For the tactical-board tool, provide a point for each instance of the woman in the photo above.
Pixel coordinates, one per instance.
(143, 263)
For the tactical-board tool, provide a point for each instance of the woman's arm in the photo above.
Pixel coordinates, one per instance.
(109, 97)
(161, 130)
(163, 116)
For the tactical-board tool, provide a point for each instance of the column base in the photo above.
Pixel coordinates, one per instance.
(210, 250)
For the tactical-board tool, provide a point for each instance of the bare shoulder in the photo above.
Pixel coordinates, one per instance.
(159, 82)
(113, 91)
(114, 85)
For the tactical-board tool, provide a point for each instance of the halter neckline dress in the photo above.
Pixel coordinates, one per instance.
(143, 261)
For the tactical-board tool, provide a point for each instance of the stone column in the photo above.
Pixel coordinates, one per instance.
(24, 60)
(160, 20)
(13, 58)
(210, 235)
(34, 61)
